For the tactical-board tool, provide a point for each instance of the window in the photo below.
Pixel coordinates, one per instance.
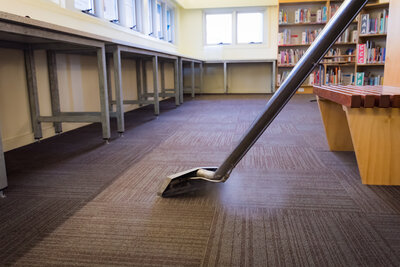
(111, 10)
(219, 28)
(132, 9)
(250, 28)
(170, 25)
(234, 26)
(159, 20)
(151, 17)
(86, 6)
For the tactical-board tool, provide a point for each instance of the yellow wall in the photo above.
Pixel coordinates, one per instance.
(191, 40)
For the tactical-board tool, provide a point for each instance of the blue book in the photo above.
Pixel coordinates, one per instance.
(324, 14)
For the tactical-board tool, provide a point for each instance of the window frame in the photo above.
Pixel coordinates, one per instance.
(117, 15)
(262, 26)
(158, 21)
(171, 9)
(91, 11)
(234, 12)
(136, 15)
(232, 33)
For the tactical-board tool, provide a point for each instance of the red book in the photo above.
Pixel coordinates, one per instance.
(361, 53)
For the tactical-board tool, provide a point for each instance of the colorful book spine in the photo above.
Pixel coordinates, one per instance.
(361, 56)
(360, 79)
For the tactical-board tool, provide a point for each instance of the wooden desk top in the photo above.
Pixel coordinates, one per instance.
(360, 96)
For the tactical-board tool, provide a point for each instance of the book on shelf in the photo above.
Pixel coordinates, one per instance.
(304, 38)
(302, 15)
(281, 77)
(314, 77)
(283, 17)
(319, 16)
(370, 53)
(374, 25)
(348, 79)
(284, 37)
(309, 36)
(360, 78)
(334, 8)
(324, 14)
(374, 80)
(335, 55)
(335, 76)
(354, 36)
(368, 79)
(361, 56)
(364, 23)
(290, 56)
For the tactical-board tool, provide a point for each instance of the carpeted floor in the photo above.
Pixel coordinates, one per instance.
(72, 200)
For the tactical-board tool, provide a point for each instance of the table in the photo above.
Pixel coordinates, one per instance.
(27, 34)
(244, 61)
(193, 73)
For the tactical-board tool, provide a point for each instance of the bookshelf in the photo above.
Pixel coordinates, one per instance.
(371, 46)
(300, 22)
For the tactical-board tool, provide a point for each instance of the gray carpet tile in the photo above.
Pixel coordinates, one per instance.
(73, 200)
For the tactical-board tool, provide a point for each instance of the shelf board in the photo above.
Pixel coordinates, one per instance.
(285, 66)
(371, 64)
(301, 24)
(345, 43)
(290, 45)
(283, 2)
(339, 56)
(339, 63)
(373, 35)
(376, 5)
(302, 86)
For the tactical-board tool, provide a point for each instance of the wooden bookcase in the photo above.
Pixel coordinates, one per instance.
(343, 58)
(375, 68)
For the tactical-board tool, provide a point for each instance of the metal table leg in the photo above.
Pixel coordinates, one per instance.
(3, 174)
(105, 113)
(109, 86)
(162, 70)
(201, 77)
(54, 91)
(33, 93)
(144, 72)
(118, 89)
(155, 85)
(139, 76)
(193, 77)
(273, 76)
(225, 78)
(181, 80)
(176, 83)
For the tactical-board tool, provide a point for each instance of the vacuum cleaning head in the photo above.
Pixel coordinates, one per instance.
(187, 181)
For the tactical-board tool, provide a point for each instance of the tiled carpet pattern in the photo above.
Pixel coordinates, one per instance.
(73, 200)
